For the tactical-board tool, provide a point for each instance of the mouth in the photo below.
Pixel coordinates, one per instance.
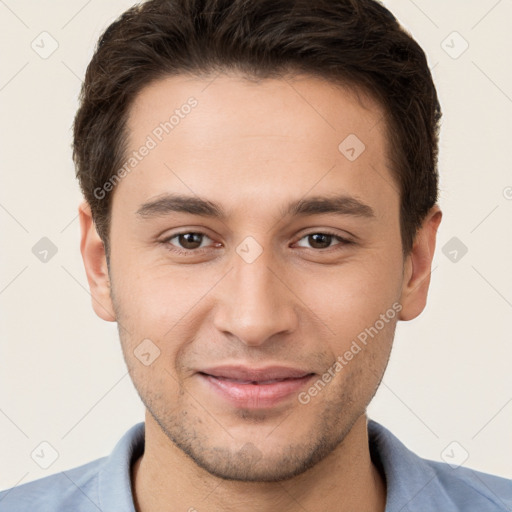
(255, 382)
(255, 388)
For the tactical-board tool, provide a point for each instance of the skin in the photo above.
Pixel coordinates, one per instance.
(253, 147)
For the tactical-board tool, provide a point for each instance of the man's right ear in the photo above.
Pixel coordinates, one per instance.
(95, 263)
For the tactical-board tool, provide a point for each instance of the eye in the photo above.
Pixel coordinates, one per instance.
(186, 242)
(323, 240)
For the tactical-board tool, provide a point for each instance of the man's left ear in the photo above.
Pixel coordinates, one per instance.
(418, 266)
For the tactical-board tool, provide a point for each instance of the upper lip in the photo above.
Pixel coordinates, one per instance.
(256, 374)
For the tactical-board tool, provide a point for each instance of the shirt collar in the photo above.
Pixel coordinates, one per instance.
(114, 479)
(406, 474)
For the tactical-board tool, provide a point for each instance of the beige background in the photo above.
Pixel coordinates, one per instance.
(62, 378)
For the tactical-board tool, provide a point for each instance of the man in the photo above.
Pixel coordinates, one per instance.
(260, 183)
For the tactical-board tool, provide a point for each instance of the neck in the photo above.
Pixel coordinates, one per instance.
(165, 478)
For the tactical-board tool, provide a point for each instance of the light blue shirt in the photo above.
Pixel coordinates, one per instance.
(413, 483)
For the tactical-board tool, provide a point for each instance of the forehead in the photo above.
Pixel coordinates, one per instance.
(239, 139)
(238, 105)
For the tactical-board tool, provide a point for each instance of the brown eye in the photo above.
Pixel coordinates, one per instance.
(322, 240)
(190, 240)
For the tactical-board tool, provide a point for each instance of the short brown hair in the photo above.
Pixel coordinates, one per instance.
(354, 42)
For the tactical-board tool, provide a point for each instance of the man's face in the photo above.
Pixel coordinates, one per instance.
(257, 287)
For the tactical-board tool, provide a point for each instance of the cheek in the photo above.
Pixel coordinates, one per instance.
(156, 298)
(156, 382)
(352, 297)
(168, 307)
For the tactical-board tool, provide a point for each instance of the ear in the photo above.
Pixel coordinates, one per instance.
(95, 263)
(418, 265)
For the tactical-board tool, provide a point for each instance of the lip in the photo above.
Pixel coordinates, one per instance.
(254, 388)
(256, 374)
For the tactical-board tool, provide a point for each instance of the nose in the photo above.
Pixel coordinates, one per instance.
(255, 302)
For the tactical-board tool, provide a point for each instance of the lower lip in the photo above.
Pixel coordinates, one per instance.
(255, 395)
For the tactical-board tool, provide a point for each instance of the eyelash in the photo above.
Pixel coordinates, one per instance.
(193, 252)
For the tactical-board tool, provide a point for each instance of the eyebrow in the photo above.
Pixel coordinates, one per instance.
(177, 203)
